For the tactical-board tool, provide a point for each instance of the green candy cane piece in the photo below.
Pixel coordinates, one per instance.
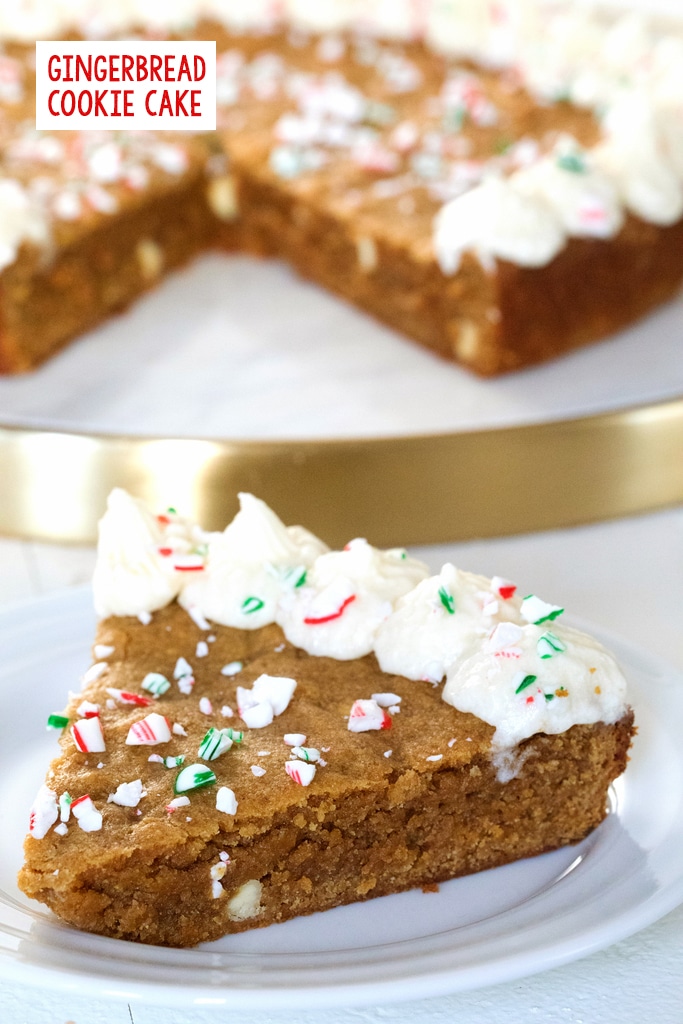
(195, 776)
(57, 722)
(527, 681)
(548, 645)
(252, 604)
(447, 600)
(216, 742)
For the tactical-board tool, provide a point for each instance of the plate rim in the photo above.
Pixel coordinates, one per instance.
(442, 981)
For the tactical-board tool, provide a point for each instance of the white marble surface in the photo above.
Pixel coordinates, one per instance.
(623, 576)
(233, 347)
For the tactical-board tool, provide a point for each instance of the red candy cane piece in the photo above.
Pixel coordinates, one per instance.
(88, 735)
(366, 715)
(300, 772)
(335, 615)
(148, 731)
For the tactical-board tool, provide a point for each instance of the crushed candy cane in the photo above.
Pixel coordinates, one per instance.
(150, 730)
(232, 668)
(43, 813)
(88, 817)
(128, 794)
(385, 700)
(88, 736)
(215, 743)
(504, 588)
(57, 722)
(65, 806)
(205, 706)
(300, 772)
(549, 645)
(294, 739)
(94, 672)
(306, 753)
(86, 709)
(366, 715)
(535, 610)
(226, 801)
(176, 802)
(129, 698)
(268, 697)
(155, 683)
(195, 776)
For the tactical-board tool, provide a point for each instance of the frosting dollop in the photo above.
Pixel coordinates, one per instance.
(20, 221)
(436, 624)
(496, 220)
(346, 597)
(142, 559)
(250, 566)
(531, 679)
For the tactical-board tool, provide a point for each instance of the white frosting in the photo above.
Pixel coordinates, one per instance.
(321, 15)
(458, 29)
(348, 603)
(347, 596)
(131, 576)
(249, 566)
(495, 220)
(391, 19)
(579, 685)
(422, 639)
(237, 14)
(635, 157)
(584, 200)
(20, 221)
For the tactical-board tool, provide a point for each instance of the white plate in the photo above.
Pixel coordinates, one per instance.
(496, 926)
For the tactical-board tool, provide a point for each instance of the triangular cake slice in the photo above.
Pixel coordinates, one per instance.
(231, 765)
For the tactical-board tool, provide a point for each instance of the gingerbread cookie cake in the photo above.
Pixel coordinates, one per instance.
(264, 732)
(500, 182)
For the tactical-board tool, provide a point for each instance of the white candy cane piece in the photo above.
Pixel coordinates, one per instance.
(257, 716)
(535, 610)
(182, 668)
(88, 736)
(385, 700)
(366, 715)
(306, 753)
(505, 635)
(300, 771)
(294, 739)
(267, 692)
(86, 709)
(94, 672)
(86, 814)
(226, 801)
(176, 802)
(152, 729)
(43, 814)
(128, 794)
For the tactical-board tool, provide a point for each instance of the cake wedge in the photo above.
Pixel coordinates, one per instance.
(218, 776)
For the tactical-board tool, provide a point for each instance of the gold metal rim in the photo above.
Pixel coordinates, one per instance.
(397, 490)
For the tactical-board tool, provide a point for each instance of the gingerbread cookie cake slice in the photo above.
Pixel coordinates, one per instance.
(264, 733)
